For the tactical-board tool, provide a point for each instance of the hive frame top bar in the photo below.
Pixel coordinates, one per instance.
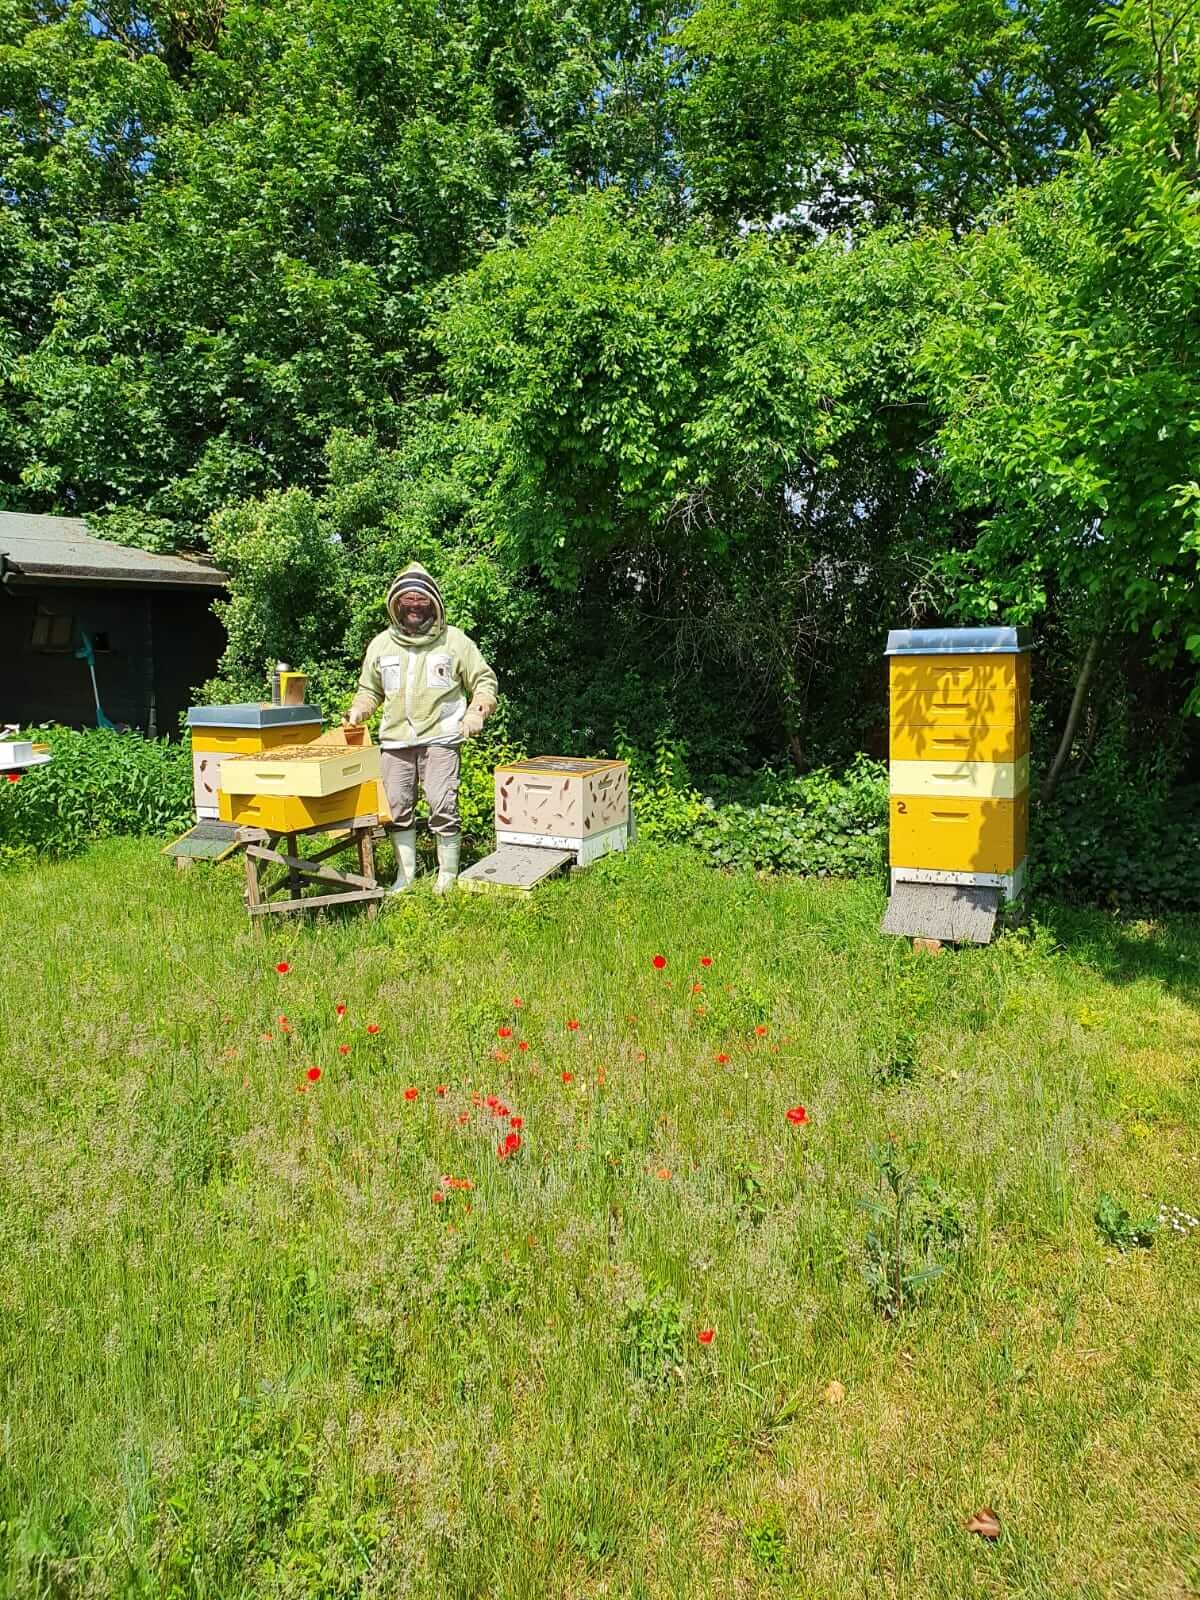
(251, 716)
(958, 641)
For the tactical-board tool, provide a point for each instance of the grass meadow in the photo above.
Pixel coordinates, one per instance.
(255, 1342)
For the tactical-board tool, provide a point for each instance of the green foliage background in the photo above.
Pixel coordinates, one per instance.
(692, 345)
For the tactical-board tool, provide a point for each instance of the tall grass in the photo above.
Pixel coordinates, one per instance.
(245, 1352)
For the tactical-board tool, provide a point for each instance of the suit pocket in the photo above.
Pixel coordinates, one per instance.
(439, 671)
(391, 674)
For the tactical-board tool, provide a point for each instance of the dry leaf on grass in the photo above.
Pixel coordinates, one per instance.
(835, 1393)
(985, 1522)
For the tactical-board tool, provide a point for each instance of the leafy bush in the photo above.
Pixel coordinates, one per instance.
(820, 824)
(1121, 831)
(98, 784)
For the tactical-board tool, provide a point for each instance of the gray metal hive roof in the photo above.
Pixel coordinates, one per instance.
(61, 550)
(958, 641)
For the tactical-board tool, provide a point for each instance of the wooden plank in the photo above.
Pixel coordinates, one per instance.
(301, 867)
(315, 902)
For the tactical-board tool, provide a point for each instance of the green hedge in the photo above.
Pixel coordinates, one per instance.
(98, 784)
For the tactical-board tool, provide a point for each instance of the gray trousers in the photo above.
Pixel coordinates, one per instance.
(436, 765)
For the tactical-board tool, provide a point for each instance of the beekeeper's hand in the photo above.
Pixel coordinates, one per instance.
(361, 708)
(476, 716)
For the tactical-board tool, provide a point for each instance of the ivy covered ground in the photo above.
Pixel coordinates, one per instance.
(672, 1234)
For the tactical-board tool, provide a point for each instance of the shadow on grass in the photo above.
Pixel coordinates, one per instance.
(1126, 949)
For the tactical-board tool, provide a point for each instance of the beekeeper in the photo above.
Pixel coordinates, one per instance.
(436, 690)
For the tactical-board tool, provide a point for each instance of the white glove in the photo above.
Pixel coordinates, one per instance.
(475, 718)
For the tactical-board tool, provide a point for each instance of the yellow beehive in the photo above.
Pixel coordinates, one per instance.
(218, 732)
(959, 772)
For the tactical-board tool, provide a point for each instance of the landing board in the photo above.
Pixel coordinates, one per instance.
(207, 841)
(517, 868)
(953, 913)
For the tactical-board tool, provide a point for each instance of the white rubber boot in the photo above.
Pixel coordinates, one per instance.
(447, 853)
(404, 841)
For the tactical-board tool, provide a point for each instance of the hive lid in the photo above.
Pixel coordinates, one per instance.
(958, 641)
(575, 766)
(250, 716)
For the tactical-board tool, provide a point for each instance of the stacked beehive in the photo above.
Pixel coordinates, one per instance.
(959, 773)
(564, 803)
(218, 732)
(323, 782)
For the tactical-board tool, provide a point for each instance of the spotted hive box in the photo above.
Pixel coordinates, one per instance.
(562, 803)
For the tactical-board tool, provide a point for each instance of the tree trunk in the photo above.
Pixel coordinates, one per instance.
(796, 751)
(1086, 668)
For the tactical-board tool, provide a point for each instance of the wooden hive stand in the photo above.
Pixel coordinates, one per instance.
(334, 886)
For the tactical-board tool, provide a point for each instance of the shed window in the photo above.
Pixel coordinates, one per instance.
(51, 633)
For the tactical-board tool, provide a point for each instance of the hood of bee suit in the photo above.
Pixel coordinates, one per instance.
(415, 577)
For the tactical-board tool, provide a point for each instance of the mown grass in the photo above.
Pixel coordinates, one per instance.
(244, 1352)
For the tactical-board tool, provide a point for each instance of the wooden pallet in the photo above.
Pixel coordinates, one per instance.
(334, 885)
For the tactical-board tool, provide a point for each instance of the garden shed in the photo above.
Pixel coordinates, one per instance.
(148, 619)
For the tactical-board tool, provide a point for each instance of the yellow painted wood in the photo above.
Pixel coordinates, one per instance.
(979, 690)
(959, 741)
(252, 741)
(281, 813)
(288, 772)
(977, 780)
(970, 835)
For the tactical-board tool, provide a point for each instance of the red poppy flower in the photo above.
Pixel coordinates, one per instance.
(341, 1010)
(697, 988)
(504, 1033)
(518, 1002)
(722, 1059)
(760, 1030)
(372, 1027)
(13, 777)
(437, 1197)
(464, 1116)
(410, 1093)
(522, 1045)
(283, 1022)
(441, 1089)
(517, 1122)
(706, 961)
(313, 1074)
(660, 962)
(503, 1152)
(797, 1116)
(282, 966)
(573, 1025)
(512, 1141)
(492, 1102)
(343, 1049)
(705, 1335)
(568, 1077)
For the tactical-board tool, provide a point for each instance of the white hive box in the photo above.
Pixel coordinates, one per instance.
(564, 803)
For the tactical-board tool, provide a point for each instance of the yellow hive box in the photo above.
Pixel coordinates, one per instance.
(980, 690)
(252, 741)
(285, 813)
(305, 770)
(947, 835)
(959, 741)
(560, 797)
(978, 780)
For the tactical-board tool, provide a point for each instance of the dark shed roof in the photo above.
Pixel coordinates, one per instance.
(61, 550)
